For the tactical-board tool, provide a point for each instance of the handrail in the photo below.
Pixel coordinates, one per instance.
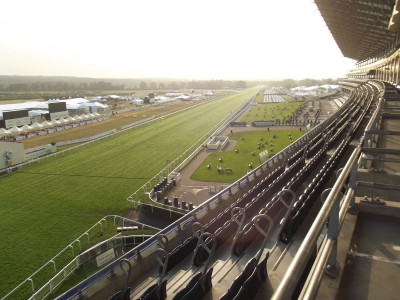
(314, 279)
(70, 246)
(295, 270)
(311, 286)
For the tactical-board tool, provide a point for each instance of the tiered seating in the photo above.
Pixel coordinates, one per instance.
(188, 287)
(200, 288)
(253, 283)
(239, 280)
(155, 292)
(222, 225)
(314, 189)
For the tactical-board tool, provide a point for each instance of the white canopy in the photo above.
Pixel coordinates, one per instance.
(5, 132)
(46, 124)
(15, 129)
(137, 101)
(27, 128)
(37, 126)
(38, 112)
(56, 123)
(84, 117)
(69, 119)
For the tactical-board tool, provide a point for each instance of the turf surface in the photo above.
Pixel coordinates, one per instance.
(238, 162)
(271, 112)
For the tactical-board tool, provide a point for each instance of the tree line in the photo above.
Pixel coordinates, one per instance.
(202, 84)
(60, 86)
(66, 84)
(57, 86)
(291, 83)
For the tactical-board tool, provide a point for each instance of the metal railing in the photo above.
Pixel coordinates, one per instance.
(330, 209)
(73, 248)
(295, 270)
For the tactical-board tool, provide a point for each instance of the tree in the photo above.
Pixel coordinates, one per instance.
(288, 83)
(241, 84)
(143, 85)
(307, 82)
(182, 85)
(172, 85)
(153, 85)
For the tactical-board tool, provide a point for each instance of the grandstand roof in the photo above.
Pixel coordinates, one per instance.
(360, 28)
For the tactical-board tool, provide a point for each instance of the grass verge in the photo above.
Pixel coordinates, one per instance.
(248, 149)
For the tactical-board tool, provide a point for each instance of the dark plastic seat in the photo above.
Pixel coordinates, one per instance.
(181, 251)
(121, 295)
(239, 280)
(156, 292)
(262, 268)
(188, 287)
(253, 283)
(201, 288)
(148, 291)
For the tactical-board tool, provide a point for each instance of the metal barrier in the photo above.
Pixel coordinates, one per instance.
(77, 260)
(330, 209)
(295, 270)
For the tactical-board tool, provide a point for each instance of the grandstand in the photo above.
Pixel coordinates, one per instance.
(267, 235)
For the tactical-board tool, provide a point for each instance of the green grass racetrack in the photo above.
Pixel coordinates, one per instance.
(45, 206)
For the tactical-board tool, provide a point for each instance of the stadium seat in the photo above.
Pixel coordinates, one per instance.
(253, 283)
(239, 280)
(201, 288)
(188, 287)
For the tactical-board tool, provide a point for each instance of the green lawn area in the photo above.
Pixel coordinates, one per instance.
(247, 143)
(47, 205)
(271, 111)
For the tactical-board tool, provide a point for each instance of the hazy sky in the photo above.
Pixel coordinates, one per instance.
(220, 39)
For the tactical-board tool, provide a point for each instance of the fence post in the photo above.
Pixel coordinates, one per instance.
(88, 237)
(333, 230)
(54, 264)
(33, 288)
(105, 221)
(79, 242)
(72, 247)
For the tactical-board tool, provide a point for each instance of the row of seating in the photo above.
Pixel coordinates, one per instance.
(305, 201)
(246, 285)
(314, 189)
(295, 156)
(222, 225)
(200, 288)
(296, 180)
(157, 291)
